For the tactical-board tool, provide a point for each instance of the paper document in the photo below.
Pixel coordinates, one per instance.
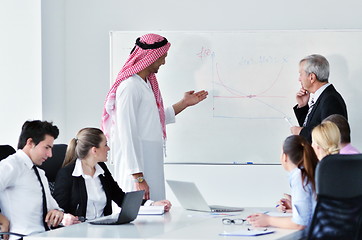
(279, 214)
(151, 210)
(246, 232)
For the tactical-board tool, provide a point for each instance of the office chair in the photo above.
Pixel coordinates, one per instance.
(52, 165)
(338, 213)
(5, 151)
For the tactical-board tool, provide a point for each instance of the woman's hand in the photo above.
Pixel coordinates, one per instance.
(69, 219)
(167, 204)
(285, 204)
(259, 220)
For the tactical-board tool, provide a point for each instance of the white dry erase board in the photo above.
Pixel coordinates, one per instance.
(252, 79)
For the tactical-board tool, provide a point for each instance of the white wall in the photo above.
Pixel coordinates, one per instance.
(242, 185)
(53, 62)
(20, 66)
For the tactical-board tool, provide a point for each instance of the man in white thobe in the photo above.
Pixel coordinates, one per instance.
(134, 118)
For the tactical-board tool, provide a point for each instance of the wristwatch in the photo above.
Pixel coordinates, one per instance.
(139, 179)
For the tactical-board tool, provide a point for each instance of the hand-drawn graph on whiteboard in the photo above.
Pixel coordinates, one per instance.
(234, 96)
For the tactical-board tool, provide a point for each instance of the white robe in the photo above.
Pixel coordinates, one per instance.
(136, 138)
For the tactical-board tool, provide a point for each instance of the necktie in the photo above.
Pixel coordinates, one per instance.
(309, 110)
(45, 209)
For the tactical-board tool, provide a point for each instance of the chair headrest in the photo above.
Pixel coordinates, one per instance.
(52, 165)
(5, 151)
(339, 176)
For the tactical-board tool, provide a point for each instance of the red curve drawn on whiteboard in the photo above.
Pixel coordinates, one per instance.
(236, 94)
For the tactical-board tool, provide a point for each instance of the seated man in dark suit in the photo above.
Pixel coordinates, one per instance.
(325, 100)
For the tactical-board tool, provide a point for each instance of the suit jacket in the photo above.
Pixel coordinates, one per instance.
(328, 103)
(71, 194)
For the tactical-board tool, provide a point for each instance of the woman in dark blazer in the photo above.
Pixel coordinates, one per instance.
(84, 187)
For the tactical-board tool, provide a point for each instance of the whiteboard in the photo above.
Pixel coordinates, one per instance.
(252, 79)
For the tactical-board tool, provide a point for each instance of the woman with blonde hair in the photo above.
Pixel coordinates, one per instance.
(84, 187)
(326, 139)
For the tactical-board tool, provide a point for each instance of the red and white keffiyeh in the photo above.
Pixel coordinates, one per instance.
(138, 60)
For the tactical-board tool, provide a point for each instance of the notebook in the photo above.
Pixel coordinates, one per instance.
(190, 198)
(129, 209)
(151, 210)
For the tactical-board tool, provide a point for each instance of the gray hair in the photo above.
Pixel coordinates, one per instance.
(318, 65)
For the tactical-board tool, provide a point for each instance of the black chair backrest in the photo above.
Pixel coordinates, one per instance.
(340, 176)
(338, 214)
(52, 165)
(5, 151)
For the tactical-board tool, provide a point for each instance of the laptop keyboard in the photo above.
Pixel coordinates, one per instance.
(217, 208)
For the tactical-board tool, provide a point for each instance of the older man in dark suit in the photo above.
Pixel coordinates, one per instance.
(317, 98)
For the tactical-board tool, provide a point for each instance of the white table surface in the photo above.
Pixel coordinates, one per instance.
(177, 224)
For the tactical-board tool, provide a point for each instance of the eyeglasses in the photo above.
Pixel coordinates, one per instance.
(238, 221)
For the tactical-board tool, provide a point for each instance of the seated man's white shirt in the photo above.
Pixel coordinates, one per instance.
(21, 194)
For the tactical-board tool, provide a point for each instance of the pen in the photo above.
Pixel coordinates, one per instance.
(288, 121)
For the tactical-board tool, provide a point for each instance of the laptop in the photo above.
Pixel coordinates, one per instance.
(190, 198)
(129, 210)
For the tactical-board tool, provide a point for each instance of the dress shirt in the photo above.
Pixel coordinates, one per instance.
(313, 99)
(317, 93)
(21, 194)
(303, 199)
(96, 200)
(349, 149)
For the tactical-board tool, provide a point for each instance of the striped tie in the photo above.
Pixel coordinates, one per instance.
(309, 110)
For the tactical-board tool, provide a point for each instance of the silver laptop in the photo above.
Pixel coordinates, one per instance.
(190, 198)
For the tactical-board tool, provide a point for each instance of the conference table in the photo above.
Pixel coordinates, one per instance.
(176, 224)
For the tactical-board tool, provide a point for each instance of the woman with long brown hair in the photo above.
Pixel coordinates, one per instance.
(300, 160)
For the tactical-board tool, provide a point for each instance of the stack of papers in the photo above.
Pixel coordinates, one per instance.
(245, 232)
(151, 210)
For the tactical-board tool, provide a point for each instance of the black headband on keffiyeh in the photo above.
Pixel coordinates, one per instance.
(146, 46)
